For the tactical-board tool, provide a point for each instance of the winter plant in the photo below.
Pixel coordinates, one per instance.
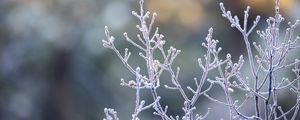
(266, 61)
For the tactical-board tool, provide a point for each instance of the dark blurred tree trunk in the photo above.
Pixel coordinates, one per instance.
(59, 105)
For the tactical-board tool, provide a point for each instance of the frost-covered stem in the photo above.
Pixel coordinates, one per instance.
(246, 117)
(202, 80)
(269, 89)
(297, 73)
(149, 59)
(257, 112)
(179, 87)
(197, 93)
(282, 113)
(250, 58)
(227, 94)
(229, 100)
(158, 107)
(275, 104)
(235, 23)
(211, 62)
(205, 69)
(137, 99)
(273, 33)
(196, 96)
(248, 48)
(226, 90)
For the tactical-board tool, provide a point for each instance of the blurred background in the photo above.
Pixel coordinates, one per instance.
(53, 65)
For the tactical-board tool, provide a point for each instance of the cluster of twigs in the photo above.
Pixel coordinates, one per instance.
(272, 58)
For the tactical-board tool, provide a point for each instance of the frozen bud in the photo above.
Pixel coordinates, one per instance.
(221, 4)
(199, 61)
(131, 83)
(143, 102)
(232, 25)
(178, 68)
(161, 36)
(248, 7)
(162, 42)
(228, 13)
(241, 57)
(104, 41)
(138, 26)
(154, 14)
(228, 56)
(141, 2)
(241, 61)
(210, 31)
(219, 49)
(158, 98)
(140, 53)
(258, 32)
(125, 34)
(171, 48)
(144, 77)
(234, 83)
(111, 39)
(173, 76)
(147, 14)
(236, 101)
(186, 103)
(257, 18)
(235, 65)
(134, 13)
(122, 82)
(230, 90)
(106, 31)
(258, 61)
(138, 69)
